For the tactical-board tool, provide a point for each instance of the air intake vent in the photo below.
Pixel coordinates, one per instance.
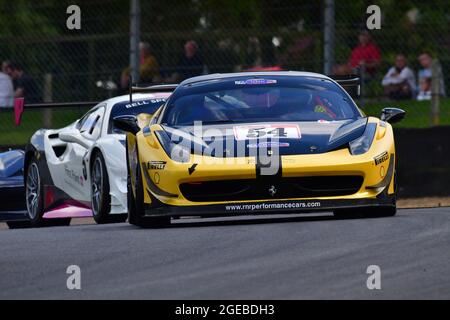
(281, 188)
(59, 150)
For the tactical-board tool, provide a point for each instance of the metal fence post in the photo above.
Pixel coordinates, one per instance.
(47, 96)
(91, 64)
(436, 76)
(328, 32)
(135, 34)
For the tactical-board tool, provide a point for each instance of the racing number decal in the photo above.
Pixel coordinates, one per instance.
(261, 132)
(267, 131)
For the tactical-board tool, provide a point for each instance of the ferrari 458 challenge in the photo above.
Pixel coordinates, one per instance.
(259, 143)
(80, 170)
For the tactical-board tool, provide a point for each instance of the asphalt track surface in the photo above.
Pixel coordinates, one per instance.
(292, 257)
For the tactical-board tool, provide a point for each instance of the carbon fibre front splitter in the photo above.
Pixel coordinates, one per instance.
(270, 207)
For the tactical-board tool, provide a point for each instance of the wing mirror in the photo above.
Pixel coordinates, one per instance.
(392, 115)
(74, 136)
(127, 123)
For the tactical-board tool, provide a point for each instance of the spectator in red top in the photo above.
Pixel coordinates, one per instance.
(366, 54)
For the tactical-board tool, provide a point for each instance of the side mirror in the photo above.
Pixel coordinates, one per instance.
(127, 123)
(74, 136)
(392, 115)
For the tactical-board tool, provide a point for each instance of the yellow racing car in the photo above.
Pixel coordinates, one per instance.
(259, 143)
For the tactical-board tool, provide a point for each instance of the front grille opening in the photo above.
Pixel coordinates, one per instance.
(278, 188)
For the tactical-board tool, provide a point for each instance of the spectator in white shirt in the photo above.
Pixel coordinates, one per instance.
(399, 82)
(424, 89)
(425, 76)
(6, 91)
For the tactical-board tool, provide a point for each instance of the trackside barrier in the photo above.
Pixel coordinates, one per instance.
(423, 163)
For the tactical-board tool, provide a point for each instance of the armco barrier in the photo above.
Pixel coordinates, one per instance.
(423, 166)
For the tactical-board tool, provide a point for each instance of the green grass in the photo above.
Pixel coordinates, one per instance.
(418, 116)
(417, 112)
(32, 120)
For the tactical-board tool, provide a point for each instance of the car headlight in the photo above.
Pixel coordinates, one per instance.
(179, 151)
(362, 144)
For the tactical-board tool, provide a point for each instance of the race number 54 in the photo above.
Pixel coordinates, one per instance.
(261, 132)
(267, 131)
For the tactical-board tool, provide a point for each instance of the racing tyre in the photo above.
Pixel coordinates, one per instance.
(136, 203)
(132, 218)
(34, 194)
(34, 197)
(131, 205)
(100, 197)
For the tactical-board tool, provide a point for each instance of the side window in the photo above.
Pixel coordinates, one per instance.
(83, 120)
(91, 126)
(156, 116)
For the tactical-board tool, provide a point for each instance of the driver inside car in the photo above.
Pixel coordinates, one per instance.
(306, 106)
(260, 97)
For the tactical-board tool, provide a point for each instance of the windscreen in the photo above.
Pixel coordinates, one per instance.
(258, 100)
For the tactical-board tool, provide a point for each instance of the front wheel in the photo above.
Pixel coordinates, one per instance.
(136, 202)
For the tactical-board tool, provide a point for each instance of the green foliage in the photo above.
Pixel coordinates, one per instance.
(229, 14)
(34, 33)
(32, 121)
(417, 112)
(21, 18)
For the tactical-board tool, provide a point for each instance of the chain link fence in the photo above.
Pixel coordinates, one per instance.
(413, 29)
(73, 65)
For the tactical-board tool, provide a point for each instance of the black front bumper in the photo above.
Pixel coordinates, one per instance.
(270, 207)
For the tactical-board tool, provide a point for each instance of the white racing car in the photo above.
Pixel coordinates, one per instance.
(80, 170)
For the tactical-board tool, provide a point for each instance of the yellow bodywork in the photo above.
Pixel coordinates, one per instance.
(339, 162)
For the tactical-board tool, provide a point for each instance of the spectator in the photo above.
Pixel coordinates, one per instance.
(399, 82)
(6, 91)
(424, 89)
(148, 67)
(190, 64)
(425, 76)
(24, 85)
(7, 69)
(366, 54)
